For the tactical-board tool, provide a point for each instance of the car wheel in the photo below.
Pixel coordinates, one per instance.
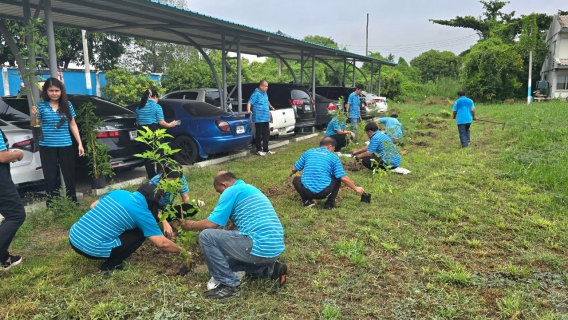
(188, 153)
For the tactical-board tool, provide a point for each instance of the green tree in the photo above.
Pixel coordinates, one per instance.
(491, 71)
(434, 64)
(125, 88)
(188, 74)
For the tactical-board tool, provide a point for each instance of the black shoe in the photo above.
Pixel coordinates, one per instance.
(11, 262)
(105, 271)
(279, 273)
(220, 292)
(328, 206)
(309, 203)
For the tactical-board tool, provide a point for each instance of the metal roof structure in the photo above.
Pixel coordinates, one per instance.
(159, 21)
(153, 20)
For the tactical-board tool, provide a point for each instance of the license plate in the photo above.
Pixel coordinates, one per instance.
(282, 131)
(307, 108)
(240, 129)
(133, 134)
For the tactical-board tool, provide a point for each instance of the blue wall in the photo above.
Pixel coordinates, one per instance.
(74, 81)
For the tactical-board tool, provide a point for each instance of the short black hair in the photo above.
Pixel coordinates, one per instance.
(173, 170)
(461, 93)
(153, 195)
(371, 126)
(394, 115)
(328, 141)
(359, 86)
(262, 81)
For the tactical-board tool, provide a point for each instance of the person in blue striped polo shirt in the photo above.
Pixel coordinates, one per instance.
(150, 114)
(254, 247)
(11, 206)
(260, 107)
(117, 225)
(381, 151)
(56, 149)
(353, 108)
(322, 175)
(336, 130)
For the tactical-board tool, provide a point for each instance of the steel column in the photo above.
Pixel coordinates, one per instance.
(302, 67)
(344, 72)
(33, 98)
(239, 83)
(50, 38)
(283, 61)
(354, 70)
(313, 84)
(224, 73)
(371, 84)
(379, 82)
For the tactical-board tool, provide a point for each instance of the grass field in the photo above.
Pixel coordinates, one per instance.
(474, 233)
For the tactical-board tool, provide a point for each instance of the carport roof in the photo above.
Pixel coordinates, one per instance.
(153, 20)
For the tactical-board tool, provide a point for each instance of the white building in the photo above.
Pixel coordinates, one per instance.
(555, 67)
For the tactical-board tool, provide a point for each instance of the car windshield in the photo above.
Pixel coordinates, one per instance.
(201, 109)
(300, 95)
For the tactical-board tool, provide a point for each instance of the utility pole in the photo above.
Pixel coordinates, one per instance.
(367, 37)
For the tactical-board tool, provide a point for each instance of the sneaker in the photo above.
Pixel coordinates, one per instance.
(220, 292)
(11, 262)
(212, 284)
(309, 203)
(260, 153)
(279, 273)
(270, 152)
(105, 271)
(328, 206)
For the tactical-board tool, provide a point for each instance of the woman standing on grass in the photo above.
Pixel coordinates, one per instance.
(149, 114)
(57, 119)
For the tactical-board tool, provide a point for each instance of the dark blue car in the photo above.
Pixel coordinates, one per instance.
(204, 130)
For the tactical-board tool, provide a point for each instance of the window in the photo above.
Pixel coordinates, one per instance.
(562, 82)
(14, 110)
(175, 95)
(169, 112)
(201, 109)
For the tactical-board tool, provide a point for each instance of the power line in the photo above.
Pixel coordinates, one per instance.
(445, 42)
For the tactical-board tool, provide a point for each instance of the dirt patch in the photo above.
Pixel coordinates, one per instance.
(403, 152)
(420, 143)
(437, 127)
(430, 134)
(353, 166)
(282, 188)
(163, 262)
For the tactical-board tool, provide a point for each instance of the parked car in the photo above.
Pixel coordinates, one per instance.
(28, 171)
(325, 110)
(204, 129)
(209, 95)
(374, 104)
(284, 96)
(118, 133)
(334, 93)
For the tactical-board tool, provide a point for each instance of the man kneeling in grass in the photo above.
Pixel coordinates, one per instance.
(323, 175)
(380, 150)
(254, 247)
(117, 225)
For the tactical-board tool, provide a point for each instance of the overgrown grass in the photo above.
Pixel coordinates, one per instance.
(473, 233)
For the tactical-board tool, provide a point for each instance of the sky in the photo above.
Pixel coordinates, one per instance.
(400, 27)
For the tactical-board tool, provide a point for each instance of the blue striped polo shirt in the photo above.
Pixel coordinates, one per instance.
(53, 137)
(335, 125)
(382, 145)
(169, 198)
(151, 113)
(253, 214)
(319, 165)
(97, 232)
(2, 143)
(354, 105)
(259, 106)
(393, 127)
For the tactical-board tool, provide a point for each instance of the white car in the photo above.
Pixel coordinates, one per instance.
(27, 171)
(374, 104)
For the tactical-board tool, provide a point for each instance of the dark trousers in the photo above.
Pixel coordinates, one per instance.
(53, 158)
(12, 209)
(330, 192)
(130, 241)
(366, 161)
(341, 141)
(463, 130)
(262, 132)
(152, 169)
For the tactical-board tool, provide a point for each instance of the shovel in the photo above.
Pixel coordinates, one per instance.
(491, 121)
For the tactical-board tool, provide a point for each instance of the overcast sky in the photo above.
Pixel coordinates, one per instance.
(400, 27)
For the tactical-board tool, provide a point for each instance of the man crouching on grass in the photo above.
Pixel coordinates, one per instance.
(253, 248)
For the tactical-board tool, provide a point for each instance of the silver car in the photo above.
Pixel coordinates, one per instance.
(28, 171)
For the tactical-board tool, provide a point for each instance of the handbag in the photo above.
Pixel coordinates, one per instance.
(37, 131)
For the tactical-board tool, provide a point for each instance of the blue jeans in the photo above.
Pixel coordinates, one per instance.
(354, 125)
(463, 129)
(226, 251)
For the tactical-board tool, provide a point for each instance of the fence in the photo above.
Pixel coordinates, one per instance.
(75, 81)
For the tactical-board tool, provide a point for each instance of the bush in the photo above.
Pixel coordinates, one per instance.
(126, 88)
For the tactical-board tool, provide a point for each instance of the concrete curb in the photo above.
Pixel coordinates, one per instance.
(114, 186)
(211, 162)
